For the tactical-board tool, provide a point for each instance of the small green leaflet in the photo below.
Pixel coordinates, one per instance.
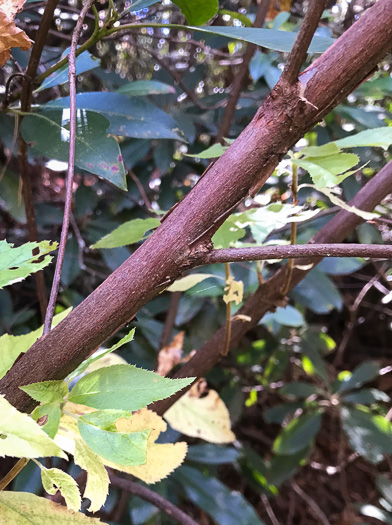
(92, 359)
(49, 415)
(11, 346)
(119, 447)
(54, 479)
(367, 216)
(198, 11)
(17, 263)
(213, 152)
(376, 137)
(141, 88)
(364, 373)
(47, 131)
(124, 387)
(97, 486)
(128, 233)
(84, 62)
(298, 434)
(20, 508)
(21, 437)
(326, 171)
(47, 391)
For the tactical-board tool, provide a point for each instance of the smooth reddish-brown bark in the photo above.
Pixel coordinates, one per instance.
(184, 236)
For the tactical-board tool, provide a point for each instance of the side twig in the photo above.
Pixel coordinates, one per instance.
(71, 168)
(152, 497)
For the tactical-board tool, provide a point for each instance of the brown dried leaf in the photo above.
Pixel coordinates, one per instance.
(170, 355)
(10, 35)
(277, 6)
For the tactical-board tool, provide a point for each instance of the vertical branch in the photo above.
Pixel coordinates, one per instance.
(239, 79)
(302, 42)
(71, 167)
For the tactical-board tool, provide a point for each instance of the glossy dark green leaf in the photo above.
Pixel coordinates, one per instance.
(278, 413)
(340, 265)
(288, 316)
(48, 132)
(128, 116)
(198, 11)
(124, 387)
(84, 62)
(141, 88)
(366, 433)
(298, 434)
(362, 374)
(385, 487)
(298, 389)
(316, 361)
(282, 468)
(318, 293)
(269, 38)
(222, 504)
(212, 454)
(366, 396)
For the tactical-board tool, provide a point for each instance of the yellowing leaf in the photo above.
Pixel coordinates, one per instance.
(97, 486)
(234, 291)
(169, 356)
(203, 417)
(54, 479)
(22, 437)
(10, 35)
(22, 508)
(189, 281)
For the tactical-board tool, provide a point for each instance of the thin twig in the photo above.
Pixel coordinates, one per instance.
(300, 251)
(19, 465)
(319, 514)
(226, 347)
(71, 168)
(141, 189)
(268, 508)
(241, 76)
(152, 497)
(170, 319)
(293, 236)
(302, 42)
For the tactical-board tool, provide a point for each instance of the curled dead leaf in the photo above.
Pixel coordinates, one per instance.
(10, 35)
(169, 356)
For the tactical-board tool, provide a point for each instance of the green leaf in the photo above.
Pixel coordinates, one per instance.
(222, 504)
(320, 151)
(316, 360)
(97, 486)
(141, 88)
(47, 391)
(23, 508)
(119, 447)
(318, 292)
(231, 231)
(298, 389)
(288, 316)
(237, 16)
(326, 170)
(10, 195)
(362, 374)
(376, 137)
(198, 11)
(49, 415)
(128, 117)
(298, 434)
(92, 359)
(84, 62)
(385, 487)
(11, 346)
(278, 413)
(54, 479)
(138, 5)
(374, 512)
(48, 132)
(365, 434)
(189, 281)
(127, 233)
(210, 454)
(213, 152)
(17, 263)
(366, 396)
(124, 387)
(21, 437)
(269, 38)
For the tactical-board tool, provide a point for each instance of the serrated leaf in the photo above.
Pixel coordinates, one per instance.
(376, 137)
(326, 171)
(366, 435)
(124, 387)
(23, 508)
(48, 132)
(21, 437)
(17, 263)
(11, 346)
(128, 116)
(189, 281)
(97, 486)
(127, 233)
(320, 151)
(364, 373)
(84, 62)
(202, 417)
(141, 88)
(47, 391)
(54, 479)
(48, 417)
(97, 356)
(198, 11)
(269, 38)
(298, 434)
(121, 448)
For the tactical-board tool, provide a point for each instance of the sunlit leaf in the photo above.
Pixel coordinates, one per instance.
(141, 88)
(377, 137)
(127, 233)
(189, 281)
(48, 416)
(47, 391)
(54, 479)
(298, 434)
(198, 11)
